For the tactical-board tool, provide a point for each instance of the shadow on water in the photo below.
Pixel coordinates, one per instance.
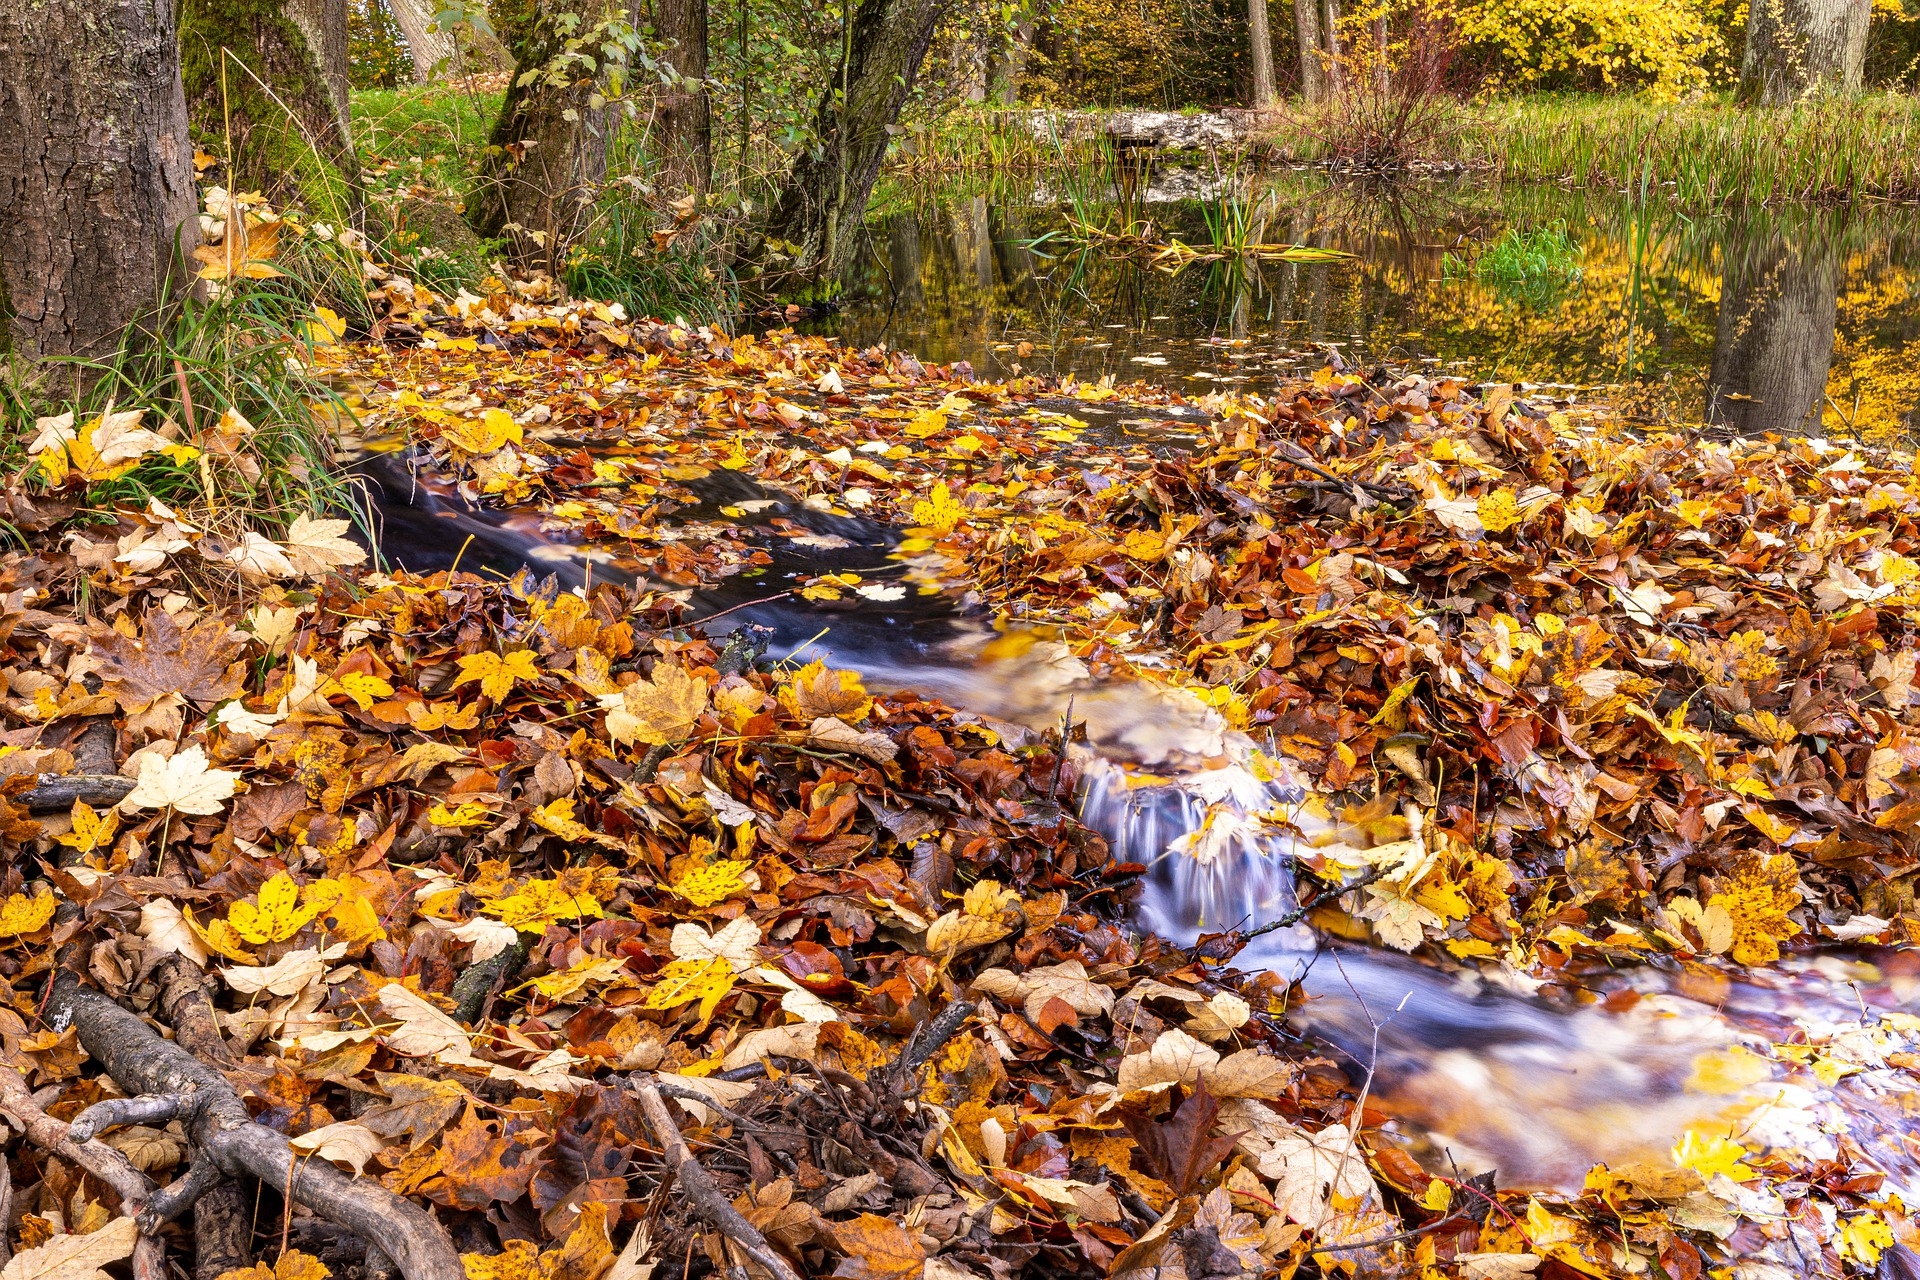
(1770, 319)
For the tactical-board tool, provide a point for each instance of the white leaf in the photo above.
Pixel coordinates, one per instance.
(628, 1266)
(166, 931)
(75, 1257)
(1174, 1058)
(489, 937)
(183, 782)
(735, 944)
(287, 976)
(343, 1142)
(1462, 515)
(830, 384)
(724, 1092)
(258, 557)
(730, 811)
(52, 433)
(236, 718)
(119, 438)
(424, 1031)
(796, 999)
(798, 1040)
(837, 735)
(1497, 1266)
(1309, 1167)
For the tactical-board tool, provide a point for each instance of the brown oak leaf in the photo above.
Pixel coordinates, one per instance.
(198, 663)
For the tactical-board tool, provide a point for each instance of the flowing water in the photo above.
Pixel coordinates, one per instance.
(1776, 321)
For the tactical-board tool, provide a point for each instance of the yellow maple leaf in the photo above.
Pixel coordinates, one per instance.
(489, 433)
(344, 909)
(1498, 510)
(658, 711)
(20, 914)
(219, 937)
(540, 903)
(470, 814)
(707, 981)
(557, 816)
(242, 253)
(91, 830)
(715, 882)
(496, 674)
(1695, 512)
(275, 914)
(815, 692)
(1710, 1153)
(588, 971)
(1864, 1238)
(938, 512)
(1757, 897)
(516, 1262)
(325, 328)
(364, 689)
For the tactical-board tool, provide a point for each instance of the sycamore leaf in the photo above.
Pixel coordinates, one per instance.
(20, 914)
(1308, 1169)
(184, 782)
(736, 943)
(815, 692)
(938, 512)
(1174, 1058)
(497, 675)
(714, 882)
(344, 1142)
(75, 1257)
(91, 830)
(220, 938)
(257, 556)
(424, 1031)
(315, 546)
(167, 931)
(541, 903)
(684, 981)
(659, 711)
(275, 914)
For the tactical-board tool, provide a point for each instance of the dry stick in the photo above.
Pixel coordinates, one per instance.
(702, 1194)
(97, 1158)
(229, 1141)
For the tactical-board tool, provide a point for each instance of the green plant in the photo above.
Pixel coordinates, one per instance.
(1533, 265)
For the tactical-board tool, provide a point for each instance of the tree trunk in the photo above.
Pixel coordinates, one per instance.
(686, 127)
(1800, 47)
(1313, 53)
(819, 210)
(258, 94)
(430, 47)
(1333, 51)
(97, 199)
(1260, 44)
(324, 24)
(1773, 340)
(547, 154)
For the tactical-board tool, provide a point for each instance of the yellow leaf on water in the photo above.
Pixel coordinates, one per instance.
(938, 511)
(20, 914)
(497, 674)
(492, 431)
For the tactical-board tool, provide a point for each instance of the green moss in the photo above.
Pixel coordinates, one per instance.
(255, 96)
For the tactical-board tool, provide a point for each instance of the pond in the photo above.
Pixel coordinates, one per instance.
(1787, 319)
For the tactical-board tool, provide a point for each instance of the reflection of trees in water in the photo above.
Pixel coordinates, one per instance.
(1646, 312)
(1773, 339)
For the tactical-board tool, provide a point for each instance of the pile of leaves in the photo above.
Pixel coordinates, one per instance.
(467, 860)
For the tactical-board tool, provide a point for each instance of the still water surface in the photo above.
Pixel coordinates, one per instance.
(1772, 319)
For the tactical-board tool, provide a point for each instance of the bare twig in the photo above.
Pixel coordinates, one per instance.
(707, 1201)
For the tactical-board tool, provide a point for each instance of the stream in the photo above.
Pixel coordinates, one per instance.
(1776, 320)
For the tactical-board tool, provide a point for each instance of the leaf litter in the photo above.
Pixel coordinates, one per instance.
(480, 860)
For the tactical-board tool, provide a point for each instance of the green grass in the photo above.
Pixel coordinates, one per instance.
(431, 134)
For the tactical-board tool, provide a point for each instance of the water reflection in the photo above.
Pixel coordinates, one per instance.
(1786, 319)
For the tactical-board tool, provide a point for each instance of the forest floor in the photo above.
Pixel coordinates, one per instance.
(626, 954)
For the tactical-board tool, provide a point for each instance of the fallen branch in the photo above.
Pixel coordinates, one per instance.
(57, 791)
(97, 1158)
(707, 1201)
(228, 1140)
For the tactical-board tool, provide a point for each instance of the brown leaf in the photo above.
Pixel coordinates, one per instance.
(479, 1167)
(1182, 1148)
(197, 664)
(878, 1249)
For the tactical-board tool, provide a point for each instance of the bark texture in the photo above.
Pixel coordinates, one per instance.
(229, 1142)
(1313, 70)
(1260, 45)
(324, 24)
(1773, 341)
(819, 210)
(1798, 48)
(258, 93)
(432, 49)
(222, 1217)
(548, 151)
(96, 171)
(685, 123)
(1010, 63)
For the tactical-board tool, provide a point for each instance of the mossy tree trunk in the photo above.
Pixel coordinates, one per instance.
(1010, 62)
(547, 154)
(258, 94)
(818, 214)
(1796, 48)
(97, 198)
(685, 123)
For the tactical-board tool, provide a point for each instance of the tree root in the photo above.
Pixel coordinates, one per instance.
(222, 1218)
(97, 1158)
(229, 1143)
(707, 1201)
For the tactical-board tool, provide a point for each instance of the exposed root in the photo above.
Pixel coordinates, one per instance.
(222, 1218)
(714, 1208)
(229, 1143)
(97, 1158)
